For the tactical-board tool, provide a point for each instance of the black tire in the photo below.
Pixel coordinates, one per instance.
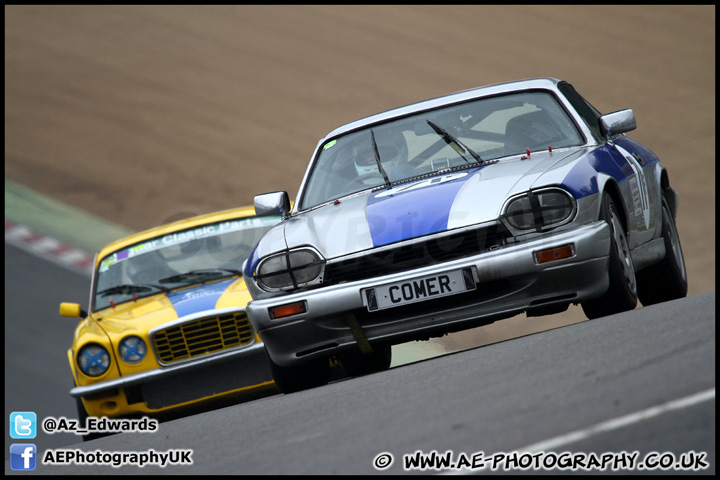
(363, 364)
(293, 379)
(621, 294)
(667, 279)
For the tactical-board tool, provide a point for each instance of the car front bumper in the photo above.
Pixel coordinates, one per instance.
(508, 281)
(232, 372)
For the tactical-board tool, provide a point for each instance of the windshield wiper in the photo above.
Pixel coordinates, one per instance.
(196, 275)
(129, 289)
(377, 158)
(456, 144)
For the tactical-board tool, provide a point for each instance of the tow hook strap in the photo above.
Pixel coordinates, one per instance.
(359, 335)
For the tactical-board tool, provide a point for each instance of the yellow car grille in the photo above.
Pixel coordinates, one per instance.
(202, 336)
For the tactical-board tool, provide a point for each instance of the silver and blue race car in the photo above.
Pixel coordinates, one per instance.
(456, 212)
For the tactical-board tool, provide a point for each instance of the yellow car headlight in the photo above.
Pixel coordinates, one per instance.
(93, 360)
(132, 350)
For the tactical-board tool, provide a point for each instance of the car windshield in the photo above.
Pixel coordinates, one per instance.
(456, 136)
(177, 259)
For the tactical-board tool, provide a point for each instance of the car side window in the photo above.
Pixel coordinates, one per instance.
(589, 114)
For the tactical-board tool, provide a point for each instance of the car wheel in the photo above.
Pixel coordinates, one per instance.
(364, 364)
(293, 379)
(621, 294)
(667, 279)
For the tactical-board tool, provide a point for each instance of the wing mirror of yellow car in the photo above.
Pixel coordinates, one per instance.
(72, 310)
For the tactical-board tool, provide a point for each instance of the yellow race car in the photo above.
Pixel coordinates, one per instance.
(166, 328)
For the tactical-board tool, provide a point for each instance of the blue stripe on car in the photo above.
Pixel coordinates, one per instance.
(412, 212)
(251, 262)
(582, 179)
(197, 299)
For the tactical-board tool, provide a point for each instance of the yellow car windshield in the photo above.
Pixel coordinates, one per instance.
(176, 259)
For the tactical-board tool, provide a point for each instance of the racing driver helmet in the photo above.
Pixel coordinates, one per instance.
(393, 153)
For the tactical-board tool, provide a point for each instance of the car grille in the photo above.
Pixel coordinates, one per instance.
(202, 336)
(430, 251)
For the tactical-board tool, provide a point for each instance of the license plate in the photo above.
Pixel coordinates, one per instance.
(419, 289)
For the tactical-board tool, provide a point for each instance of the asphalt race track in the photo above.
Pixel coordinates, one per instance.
(648, 374)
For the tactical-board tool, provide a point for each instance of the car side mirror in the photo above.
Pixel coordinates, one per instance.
(617, 122)
(72, 310)
(273, 203)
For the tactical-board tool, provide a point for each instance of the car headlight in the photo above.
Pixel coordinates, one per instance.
(291, 269)
(132, 350)
(539, 210)
(93, 360)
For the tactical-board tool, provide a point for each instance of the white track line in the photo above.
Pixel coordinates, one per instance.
(609, 425)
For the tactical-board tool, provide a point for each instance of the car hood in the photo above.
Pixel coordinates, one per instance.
(146, 313)
(409, 210)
